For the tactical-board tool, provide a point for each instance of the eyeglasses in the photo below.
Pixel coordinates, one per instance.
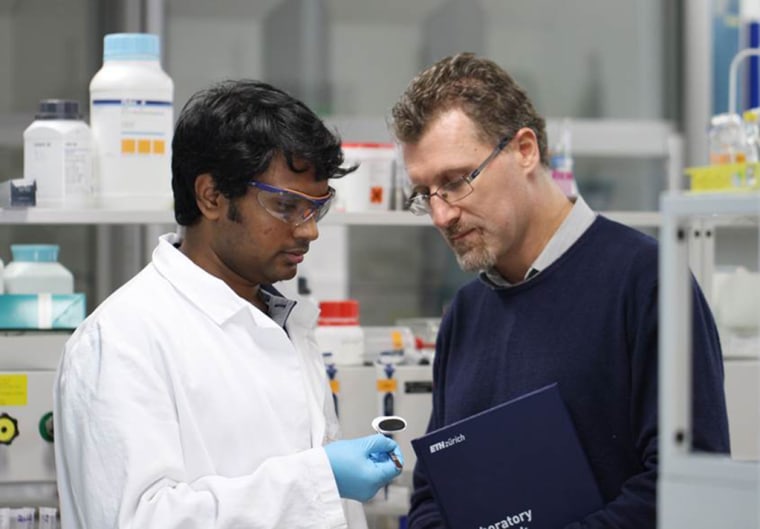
(291, 206)
(453, 190)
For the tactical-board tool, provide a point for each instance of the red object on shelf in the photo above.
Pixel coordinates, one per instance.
(344, 312)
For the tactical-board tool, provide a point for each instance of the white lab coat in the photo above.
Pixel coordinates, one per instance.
(178, 404)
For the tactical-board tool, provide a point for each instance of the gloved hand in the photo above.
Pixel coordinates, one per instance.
(361, 466)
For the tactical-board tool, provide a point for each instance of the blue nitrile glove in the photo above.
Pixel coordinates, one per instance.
(362, 466)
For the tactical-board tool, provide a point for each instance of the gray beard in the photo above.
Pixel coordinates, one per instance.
(476, 259)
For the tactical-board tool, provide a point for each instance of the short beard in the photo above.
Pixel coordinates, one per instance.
(475, 259)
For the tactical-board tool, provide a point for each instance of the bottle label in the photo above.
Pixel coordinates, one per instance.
(133, 138)
(61, 167)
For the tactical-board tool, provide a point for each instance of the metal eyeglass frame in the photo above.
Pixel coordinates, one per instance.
(419, 203)
(317, 208)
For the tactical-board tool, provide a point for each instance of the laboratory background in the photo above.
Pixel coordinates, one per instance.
(631, 90)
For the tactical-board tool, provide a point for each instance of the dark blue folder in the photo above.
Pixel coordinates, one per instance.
(518, 465)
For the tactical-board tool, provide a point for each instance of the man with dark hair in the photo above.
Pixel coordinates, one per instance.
(564, 295)
(194, 396)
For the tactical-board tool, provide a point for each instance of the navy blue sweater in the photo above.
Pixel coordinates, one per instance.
(588, 322)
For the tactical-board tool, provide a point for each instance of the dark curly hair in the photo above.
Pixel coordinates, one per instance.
(234, 129)
(477, 86)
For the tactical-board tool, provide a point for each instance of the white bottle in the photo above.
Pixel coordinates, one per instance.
(752, 137)
(369, 188)
(132, 121)
(338, 332)
(562, 162)
(728, 144)
(35, 270)
(58, 155)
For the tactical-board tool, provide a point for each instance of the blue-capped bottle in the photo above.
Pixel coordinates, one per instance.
(132, 122)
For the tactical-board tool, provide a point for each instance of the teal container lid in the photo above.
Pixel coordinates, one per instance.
(131, 47)
(35, 253)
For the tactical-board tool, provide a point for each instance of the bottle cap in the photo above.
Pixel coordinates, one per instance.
(727, 118)
(344, 312)
(58, 109)
(35, 253)
(131, 47)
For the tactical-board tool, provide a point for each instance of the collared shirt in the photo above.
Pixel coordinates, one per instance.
(579, 219)
(279, 307)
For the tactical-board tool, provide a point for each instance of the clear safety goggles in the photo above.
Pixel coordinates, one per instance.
(291, 206)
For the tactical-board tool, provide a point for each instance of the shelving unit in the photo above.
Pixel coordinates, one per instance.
(43, 216)
(696, 490)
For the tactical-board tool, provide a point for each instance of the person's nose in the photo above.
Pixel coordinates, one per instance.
(442, 213)
(308, 230)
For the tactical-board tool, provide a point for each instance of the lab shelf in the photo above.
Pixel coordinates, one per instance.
(38, 216)
(41, 216)
(696, 490)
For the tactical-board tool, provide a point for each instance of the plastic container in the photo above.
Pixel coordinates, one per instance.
(728, 146)
(727, 139)
(393, 345)
(752, 145)
(132, 121)
(48, 518)
(338, 332)
(562, 162)
(35, 270)
(370, 187)
(58, 155)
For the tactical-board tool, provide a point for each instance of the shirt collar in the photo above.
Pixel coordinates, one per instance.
(579, 219)
(278, 306)
(210, 294)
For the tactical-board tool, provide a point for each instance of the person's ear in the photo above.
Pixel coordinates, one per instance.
(526, 145)
(208, 198)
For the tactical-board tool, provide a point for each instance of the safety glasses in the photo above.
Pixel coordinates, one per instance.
(291, 206)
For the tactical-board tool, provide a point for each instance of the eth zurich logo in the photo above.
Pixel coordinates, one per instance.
(437, 447)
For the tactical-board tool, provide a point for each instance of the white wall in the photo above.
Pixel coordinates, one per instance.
(203, 50)
(56, 66)
(6, 60)
(586, 58)
(372, 64)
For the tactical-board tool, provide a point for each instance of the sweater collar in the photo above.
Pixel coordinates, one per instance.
(576, 223)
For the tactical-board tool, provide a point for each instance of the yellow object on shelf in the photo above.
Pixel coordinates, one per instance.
(735, 177)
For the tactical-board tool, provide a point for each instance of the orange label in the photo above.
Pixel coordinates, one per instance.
(127, 146)
(335, 386)
(376, 195)
(723, 158)
(386, 385)
(143, 146)
(159, 146)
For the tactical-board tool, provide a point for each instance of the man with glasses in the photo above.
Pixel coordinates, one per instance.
(563, 294)
(195, 396)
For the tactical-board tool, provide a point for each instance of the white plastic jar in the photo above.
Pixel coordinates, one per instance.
(369, 188)
(338, 333)
(35, 270)
(132, 121)
(58, 155)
